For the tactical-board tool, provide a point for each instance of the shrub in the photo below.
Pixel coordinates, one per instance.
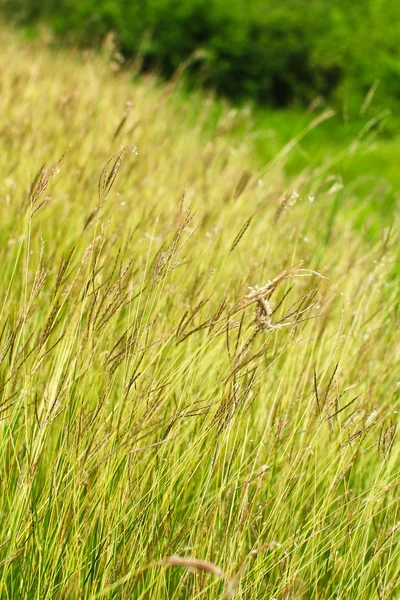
(275, 51)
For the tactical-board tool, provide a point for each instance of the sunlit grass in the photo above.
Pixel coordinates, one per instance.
(199, 358)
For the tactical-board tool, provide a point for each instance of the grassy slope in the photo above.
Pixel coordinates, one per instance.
(151, 405)
(361, 149)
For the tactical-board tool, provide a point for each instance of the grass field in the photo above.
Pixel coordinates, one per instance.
(199, 355)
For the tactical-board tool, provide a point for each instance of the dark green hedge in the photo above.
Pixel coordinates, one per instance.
(275, 51)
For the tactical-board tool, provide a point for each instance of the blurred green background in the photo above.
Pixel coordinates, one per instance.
(290, 59)
(278, 52)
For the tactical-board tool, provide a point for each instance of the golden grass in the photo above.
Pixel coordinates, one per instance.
(199, 359)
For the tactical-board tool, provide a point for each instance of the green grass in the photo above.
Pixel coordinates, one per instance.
(361, 149)
(199, 351)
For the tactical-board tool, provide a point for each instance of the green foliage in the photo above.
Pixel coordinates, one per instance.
(275, 51)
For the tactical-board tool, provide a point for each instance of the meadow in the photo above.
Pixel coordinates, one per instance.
(199, 349)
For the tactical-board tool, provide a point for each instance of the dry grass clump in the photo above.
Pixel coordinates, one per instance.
(198, 365)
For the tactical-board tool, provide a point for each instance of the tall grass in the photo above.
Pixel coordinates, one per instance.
(199, 358)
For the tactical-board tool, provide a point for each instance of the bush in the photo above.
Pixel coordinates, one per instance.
(276, 51)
